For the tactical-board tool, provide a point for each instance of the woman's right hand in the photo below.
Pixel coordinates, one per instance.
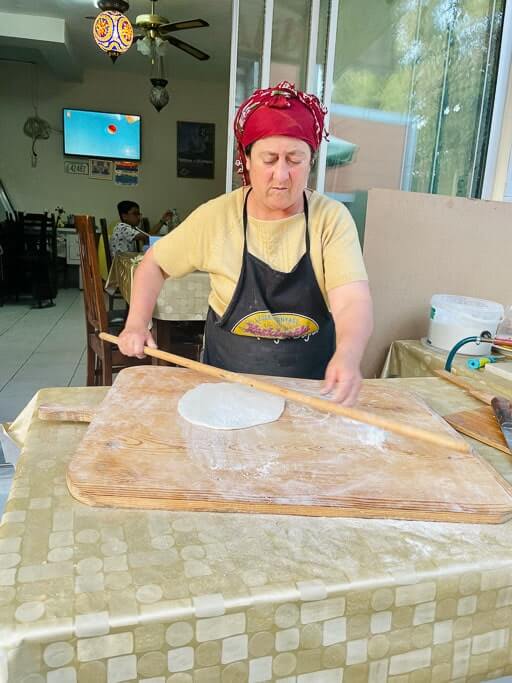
(132, 341)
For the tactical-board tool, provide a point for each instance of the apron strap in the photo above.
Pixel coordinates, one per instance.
(306, 217)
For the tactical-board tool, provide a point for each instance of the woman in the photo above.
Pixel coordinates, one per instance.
(289, 290)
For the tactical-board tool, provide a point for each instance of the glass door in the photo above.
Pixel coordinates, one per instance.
(413, 93)
(271, 42)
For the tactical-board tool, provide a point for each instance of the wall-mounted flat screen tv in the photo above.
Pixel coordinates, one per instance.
(101, 134)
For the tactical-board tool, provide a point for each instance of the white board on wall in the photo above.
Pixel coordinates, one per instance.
(417, 245)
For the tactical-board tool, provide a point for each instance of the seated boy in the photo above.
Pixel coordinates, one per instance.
(127, 231)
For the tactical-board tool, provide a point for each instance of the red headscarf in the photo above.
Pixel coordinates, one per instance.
(281, 110)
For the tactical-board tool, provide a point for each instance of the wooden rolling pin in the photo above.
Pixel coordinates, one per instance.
(467, 386)
(323, 405)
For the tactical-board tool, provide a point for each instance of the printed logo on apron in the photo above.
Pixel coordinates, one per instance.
(267, 325)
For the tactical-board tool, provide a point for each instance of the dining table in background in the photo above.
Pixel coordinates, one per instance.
(415, 358)
(181, 307)
(95, 594)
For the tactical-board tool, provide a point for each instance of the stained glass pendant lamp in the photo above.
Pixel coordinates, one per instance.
(112, 30)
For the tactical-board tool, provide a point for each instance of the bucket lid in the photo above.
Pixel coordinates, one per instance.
(469, 307)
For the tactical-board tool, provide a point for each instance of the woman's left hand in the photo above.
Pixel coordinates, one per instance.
(342, 378)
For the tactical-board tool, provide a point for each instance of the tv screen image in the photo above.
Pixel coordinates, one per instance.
(101, 134)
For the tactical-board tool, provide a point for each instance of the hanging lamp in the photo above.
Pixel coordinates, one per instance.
(158, 95)
(112, 30)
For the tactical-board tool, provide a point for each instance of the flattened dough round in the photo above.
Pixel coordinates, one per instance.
(223, 405)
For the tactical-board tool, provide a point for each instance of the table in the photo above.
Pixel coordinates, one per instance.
(68, 245)
(90, 594)
(182, 299)
(181, 306)
(411, 358)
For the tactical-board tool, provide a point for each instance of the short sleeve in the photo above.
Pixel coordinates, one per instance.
(179, 252)
(122, 238)
(130, 233)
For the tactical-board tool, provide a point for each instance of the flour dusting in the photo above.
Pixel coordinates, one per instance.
(138, 444)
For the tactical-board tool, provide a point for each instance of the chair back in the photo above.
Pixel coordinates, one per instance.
(51, 237)
(94, 299)
(32, 220)
(106, 243)
(33, 229)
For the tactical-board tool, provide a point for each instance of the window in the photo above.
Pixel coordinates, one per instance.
(412, 95)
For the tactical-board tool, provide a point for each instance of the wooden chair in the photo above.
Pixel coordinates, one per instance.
(106, 243)
(108, 261)
(182, 337)
(39, 256)
(103, 359)
(2, 269)
(11, 248)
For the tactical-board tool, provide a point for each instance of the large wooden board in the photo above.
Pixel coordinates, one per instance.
(138, 452)
(480, 424)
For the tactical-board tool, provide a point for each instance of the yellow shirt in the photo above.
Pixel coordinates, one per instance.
(211, 239)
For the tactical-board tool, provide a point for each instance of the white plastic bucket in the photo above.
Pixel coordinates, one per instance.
(453, 318)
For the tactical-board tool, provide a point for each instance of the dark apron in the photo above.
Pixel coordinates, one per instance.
(276, 323)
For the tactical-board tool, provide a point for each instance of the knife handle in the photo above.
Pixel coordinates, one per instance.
(483, 396)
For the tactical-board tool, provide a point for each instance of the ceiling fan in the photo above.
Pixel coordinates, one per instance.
(154, 28)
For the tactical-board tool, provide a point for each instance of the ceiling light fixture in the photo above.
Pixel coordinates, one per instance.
(158, 95)
(112, 30)
(113, 34)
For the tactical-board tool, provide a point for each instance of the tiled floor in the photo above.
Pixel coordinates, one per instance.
(40, 348)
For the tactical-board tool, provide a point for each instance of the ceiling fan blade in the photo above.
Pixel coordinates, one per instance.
(136, 38)
(182, 25)
(189, 49)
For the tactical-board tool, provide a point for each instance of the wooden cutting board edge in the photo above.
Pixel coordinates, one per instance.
(409, 512)
(292, 510)
(454, 419)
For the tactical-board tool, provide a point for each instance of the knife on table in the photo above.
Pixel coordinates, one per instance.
(501, 406)
(503, 411)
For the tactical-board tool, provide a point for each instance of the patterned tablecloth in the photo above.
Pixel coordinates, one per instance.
(183, 299)
(103, 595)
(412, 358)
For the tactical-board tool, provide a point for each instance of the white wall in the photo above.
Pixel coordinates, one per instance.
(47, 185)
(417, 245)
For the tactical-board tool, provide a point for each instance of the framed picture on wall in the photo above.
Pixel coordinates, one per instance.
(101, 169)
(196, 148)
(77, 167)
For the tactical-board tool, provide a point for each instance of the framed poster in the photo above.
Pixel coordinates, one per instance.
(196, 147)
(101, 169)
(126, 172)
